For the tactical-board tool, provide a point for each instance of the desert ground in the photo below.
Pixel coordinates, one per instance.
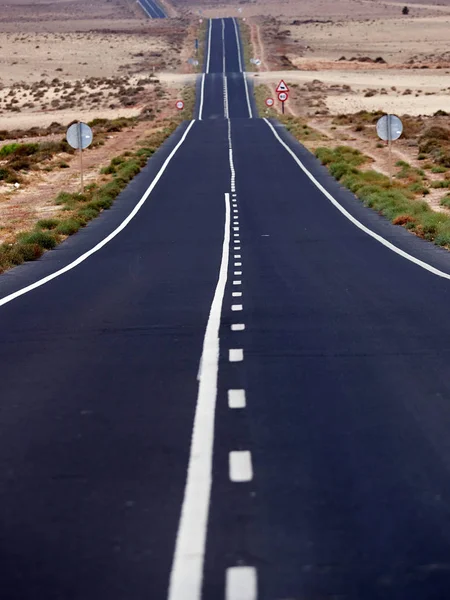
(59, 66)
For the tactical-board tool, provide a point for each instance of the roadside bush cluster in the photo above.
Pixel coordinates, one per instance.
(396, 202)
(78, 209)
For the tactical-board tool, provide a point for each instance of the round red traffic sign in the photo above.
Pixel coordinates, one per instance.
(180, 104)
(269, 101)
(283, 96)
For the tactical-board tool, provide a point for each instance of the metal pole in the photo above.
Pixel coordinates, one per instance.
(80, 145)
(390, 148)
(282, 108)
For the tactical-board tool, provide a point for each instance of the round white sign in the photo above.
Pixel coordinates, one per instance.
(79, 136)
(269, 101)
(389, 127)
(180, 104)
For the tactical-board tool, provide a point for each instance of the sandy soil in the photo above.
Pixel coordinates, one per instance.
(20, 209)
(317, 9)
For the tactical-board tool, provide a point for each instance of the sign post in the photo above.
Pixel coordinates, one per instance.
(196, 46)
(79, 136)
(282, 97)
(389, 129)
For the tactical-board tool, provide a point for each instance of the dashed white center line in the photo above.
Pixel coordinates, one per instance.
(237, 294)
(237, 256)
(236, 355)
(236, 307)
(235, 228)
(237, 282)
(240, 466)
(236, 399)
(237, 272)
(237, 247)
(235, 210)
(241, 583)
(238, 327)
(238, 264)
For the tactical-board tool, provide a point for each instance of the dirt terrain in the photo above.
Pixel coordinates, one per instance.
(59, 67)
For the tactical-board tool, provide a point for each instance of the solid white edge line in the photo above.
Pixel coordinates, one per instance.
(209, 47)
(355, 221)
(202, 95)
(187, 568)
(241, 583)
(107, 239)
(240, 466)
(250, 112)
(145, 10)
(238, 44)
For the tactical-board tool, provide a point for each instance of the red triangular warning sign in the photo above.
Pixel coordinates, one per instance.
(282, 87)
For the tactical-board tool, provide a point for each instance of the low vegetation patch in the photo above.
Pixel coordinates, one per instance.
(397, 202)
(78, 209)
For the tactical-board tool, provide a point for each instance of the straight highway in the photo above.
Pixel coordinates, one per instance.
(232, 385)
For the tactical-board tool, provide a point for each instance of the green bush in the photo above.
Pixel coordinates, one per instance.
(47, 223)
(68, 227)
(43, 239)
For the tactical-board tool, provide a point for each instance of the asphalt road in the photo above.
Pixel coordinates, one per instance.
(243, 394)
(152, 9)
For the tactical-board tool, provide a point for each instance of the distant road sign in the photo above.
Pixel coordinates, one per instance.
(282, 87)
(180, 104)
(257, 62)
(269, 102)
(389, 128)
(283, 96)
(79, 136)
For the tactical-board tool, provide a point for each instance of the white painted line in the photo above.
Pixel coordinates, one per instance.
(225, 100)
(224, 70)
(240, 466)
(202, 94)
(209, 46)
(241, 583)
(237, 256)
(237, 294)
(236, 235)
(237, 247)
(237, 282)
(235, 228)
(238, 45)
(237, 272)
(186, 576)
(238, 264)
(144, 9)
(238, 327)
(107, 239)
(236, 398)
(355, 221)
(250, 113)
(235, 210)
(236, 307)
(236, 355)
(235, 217)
